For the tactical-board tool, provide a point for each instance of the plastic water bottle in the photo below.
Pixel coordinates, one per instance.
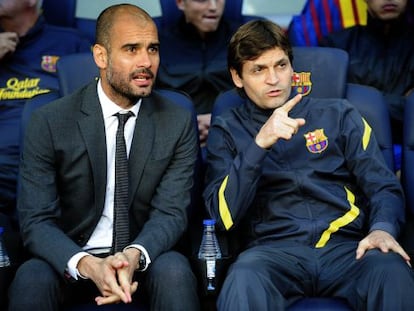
(209, 252)
(4, 257)
(5, 272)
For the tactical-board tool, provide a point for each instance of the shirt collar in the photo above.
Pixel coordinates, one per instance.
(109, 108)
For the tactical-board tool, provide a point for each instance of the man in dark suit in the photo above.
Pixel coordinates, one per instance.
(68, 189)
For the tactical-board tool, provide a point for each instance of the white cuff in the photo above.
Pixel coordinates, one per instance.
(73, 264)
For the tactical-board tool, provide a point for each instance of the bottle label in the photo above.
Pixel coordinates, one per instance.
(5, 263)
(211, 268)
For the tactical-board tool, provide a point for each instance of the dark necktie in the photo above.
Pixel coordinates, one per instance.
(121, 221)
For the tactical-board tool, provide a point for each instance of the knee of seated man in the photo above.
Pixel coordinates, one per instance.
(381, 262)
(36, 271)
(171, 267)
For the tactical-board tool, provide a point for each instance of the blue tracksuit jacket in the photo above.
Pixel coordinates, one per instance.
(28, 72)
(329, 183)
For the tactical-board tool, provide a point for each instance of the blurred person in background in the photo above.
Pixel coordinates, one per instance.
(29, 50)
(381, 54)
(193, 56)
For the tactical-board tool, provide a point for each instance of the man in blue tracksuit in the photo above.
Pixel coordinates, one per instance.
(381, 54)
(193, 56)
(29, 51)
(305, 182)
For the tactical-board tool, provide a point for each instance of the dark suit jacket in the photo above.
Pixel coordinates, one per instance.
(63, 175)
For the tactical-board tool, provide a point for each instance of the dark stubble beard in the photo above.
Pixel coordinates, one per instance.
(122, 87)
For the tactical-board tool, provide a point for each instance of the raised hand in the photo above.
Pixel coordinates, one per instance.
(280, 125)
(8, 43)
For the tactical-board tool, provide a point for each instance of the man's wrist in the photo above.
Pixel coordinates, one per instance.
(72, 267)
(142, 262)
(143, 259)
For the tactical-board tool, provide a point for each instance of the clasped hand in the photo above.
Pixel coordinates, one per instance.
(112, 275)
(203, 121)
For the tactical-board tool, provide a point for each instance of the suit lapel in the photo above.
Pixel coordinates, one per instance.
(92, 128)
(142, 144)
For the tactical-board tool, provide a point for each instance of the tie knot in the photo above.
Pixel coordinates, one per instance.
(123, 117)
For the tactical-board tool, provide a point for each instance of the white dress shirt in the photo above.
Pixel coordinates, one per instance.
(101, 238)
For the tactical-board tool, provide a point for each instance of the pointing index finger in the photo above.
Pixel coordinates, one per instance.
(288, 106)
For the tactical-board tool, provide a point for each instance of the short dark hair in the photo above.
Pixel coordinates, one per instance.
(106, 19)
(253, 39)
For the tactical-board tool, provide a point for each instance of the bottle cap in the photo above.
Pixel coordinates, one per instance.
(209, 222)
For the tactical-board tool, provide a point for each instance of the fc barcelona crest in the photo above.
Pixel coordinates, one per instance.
(301, 83)
(49, 63)
(316, 141)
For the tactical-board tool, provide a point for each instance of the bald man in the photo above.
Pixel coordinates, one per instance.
(68, 225)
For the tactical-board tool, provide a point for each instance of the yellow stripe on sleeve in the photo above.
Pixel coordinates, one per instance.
(335, 225)
(223, 208)
(362, 11)
(367, 135)
(348, 14)
(348, 18)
